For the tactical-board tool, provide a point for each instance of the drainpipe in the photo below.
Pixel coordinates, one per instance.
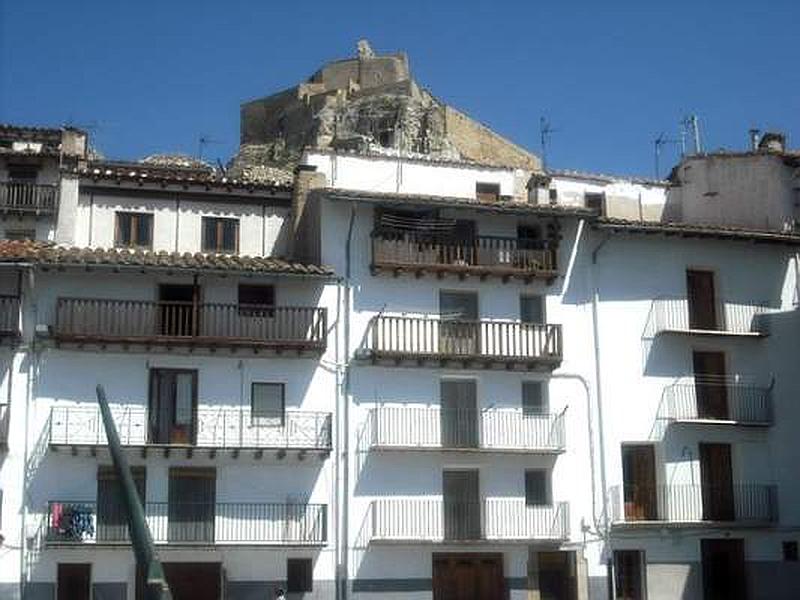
(343, 570)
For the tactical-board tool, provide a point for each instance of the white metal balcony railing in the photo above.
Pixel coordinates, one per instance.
(437, 520)
(190, 523)
(673, 315)
(717, 400)
(218, 427)
(743, 503)
(488, 429)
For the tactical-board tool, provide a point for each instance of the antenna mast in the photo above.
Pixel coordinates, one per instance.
(545, 132)
(661, 141)
(690, 125)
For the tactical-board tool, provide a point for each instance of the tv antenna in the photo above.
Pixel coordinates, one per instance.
(202, 142)
(661, 141)
(546, 130)
(690, 126)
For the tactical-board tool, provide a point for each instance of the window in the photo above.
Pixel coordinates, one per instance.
(537, 487)
(22, 173)
(267, 403)
(628, 575)
(20, 234)
(790, 553)
(534, 400)
(134, 230)
(596, 202)
(253, 299)
(299, 575)
(487, 192)
(531, 310)
(553, 195)
(220, 235)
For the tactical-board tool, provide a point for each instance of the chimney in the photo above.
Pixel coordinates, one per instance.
(772, 142)
(755, 135)
(305, 242)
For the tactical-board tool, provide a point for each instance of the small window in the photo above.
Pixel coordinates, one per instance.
(790, 551)
(134, 230)
(596, 202)
(20, 234)
(253, 299)
(487, 192)
(220, 235)
(553, 195)
(299, 575)
(267, 403)
(23, 173)
(628, 580)
(531, 310)
(534, 399)
(537, 487)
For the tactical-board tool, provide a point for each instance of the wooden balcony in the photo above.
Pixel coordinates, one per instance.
(426, 341)
(9, 317)
(716, 402)
(28, 198)
(457, 430)
(481, 256)
(71, 523)
(741, 504)
(280, 328)
(215, 429)
(442, 521)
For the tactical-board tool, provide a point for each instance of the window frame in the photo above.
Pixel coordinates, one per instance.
(305, 577)
(544, 399)
(487, 191)
(134, 217)
(546, 475)
(542, 308)
(217, 248)
(261, 420)
(247, 309)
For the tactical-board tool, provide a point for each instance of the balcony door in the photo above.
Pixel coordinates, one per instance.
(716, 476)
(192, 493)
(177, 316)
(459, 330)
(465, 243)
(723, 569)
(702, 300)
(459, 414)
(112, 516)
(639, 482)
(462, 508)
(74, 581)
(173, 406)
(709, 383)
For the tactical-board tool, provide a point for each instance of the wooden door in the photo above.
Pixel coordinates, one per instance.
(628, 580)
(723, 569)
(177, 312)
(465, 242)
(459, 414)
(556, 576)
(74, 581)
(194, 581)
(468, 577)
(172, 415)
(702, 300)
(462, 508)
(112, 516)
(710, 385)
(716, 475)
(459, 331)
(192, 493)
(639, 482)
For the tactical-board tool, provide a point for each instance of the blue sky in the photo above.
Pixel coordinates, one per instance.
(610, 76)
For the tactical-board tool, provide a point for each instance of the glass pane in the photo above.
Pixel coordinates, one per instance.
(532, 309)
(124, 229)
(183, 399)
(536, 488)
(533, 400)
(229, 235)
(267, 402)
(209, 234)
(143, 230)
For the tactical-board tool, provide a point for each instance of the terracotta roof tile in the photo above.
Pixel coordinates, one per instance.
(48, 254)
(697, 230)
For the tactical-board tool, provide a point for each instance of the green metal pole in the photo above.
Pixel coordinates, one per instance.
(143, 547)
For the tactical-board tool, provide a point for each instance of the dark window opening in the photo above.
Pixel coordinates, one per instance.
(534, 401)
(537, 487)
(487, 192)
(23, 173)
(220, 235)
(596, 202)
(299, 575)
(531, 310)
(529, 237)
(20, 234)
(256, 300)
(790, 553)
(639, 482)
(628, 580)
(553, 195)
(267, 403)
(702, 300)
(134, 230)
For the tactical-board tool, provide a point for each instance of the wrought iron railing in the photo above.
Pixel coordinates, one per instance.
(673, 314)
(717, 400)
(190, 523)
(428, 337)
(30, 198)
(437, 520)
(137, 320)
(488, 429)
(216, 427)
(9, 315)
(507, 255)
(691, 503)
